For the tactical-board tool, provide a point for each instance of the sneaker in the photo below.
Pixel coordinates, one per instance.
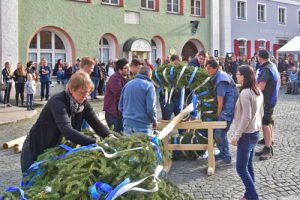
(223, 162)
(51, 85)
(262, 141)
(8, 105)
(267, 154)
(261, 152)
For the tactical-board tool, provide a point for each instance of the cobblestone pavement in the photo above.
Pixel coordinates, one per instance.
(277, 178)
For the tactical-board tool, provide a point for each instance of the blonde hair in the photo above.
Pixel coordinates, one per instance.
(86, 61)
(81, 80)
(21, 71)
(7, 65)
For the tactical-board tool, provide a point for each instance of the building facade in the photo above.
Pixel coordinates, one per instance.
(258, 24)
(104, 29)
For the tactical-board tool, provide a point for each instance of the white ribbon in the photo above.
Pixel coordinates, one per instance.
(209, 100)
(181, 73)
(208, 112)
(155, 84)
(166, 96)
(131, 186)
(113, 155)
(202, 84)
(171, 93)
(165, 76)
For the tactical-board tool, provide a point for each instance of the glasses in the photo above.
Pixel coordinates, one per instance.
(82, 93)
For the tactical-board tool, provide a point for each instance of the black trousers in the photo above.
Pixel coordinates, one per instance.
(45, 85)
(19, 92)
(7, 92)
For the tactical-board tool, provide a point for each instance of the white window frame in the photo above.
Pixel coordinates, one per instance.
(285, 15)
(244, 47)
(298, 17)
(102, 47)
(172, 5)
(264, 42)
(245, 10)
(52, 51)
(265, 12)
(147, 5)
(110, 3)
(195, 8)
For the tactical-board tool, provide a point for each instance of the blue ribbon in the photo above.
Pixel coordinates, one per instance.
(13, 189)
(195, 100)
(159, 81)
(172, 74)
(99, 187)
(112, 193)
(155, 141)
(203, 93)
(182, 91)
(71, 151)
(192, 77)
(207, 104)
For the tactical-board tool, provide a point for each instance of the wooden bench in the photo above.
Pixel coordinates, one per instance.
(209, 126)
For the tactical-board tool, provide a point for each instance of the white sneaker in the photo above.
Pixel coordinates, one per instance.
(51, 85)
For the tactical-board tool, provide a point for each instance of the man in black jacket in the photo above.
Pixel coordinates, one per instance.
(62, 116)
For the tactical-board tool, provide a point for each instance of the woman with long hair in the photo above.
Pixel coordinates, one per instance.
(7, 75)
(20, 79)
(248, 121)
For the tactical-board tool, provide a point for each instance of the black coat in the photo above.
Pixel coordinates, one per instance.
(56, 121)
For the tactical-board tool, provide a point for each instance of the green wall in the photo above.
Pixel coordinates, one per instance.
(87, 22)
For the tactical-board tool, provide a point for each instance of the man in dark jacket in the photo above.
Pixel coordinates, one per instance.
(113, 91)
(198, 60)
(62, 116)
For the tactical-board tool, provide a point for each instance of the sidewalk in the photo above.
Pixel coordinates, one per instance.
(14, 114)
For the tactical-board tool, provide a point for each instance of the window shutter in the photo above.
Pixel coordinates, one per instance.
(249, 49)
(268, 46)
(181, 7)
(236, 47)
(157, 5)
(203, 8)
(121, 3)
(275, 48)
(256, 46)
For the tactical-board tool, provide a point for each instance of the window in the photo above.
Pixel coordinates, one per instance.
(281, 16)
(153, 52)
(196, 7)
(262, 44)
(261, 12)
(112, 2)
(104, 50)
(173, 6)
(241, 10)
(148, 4)
(46, 44)
(86, 1)
(298, 17)
(242, 48)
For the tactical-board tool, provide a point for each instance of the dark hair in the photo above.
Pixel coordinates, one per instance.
(102, 64)
(212, 63)
(135, 62)
(249, 78)
(121, 63)
(263, 53)
(29, 64)
(202, 53)
(174, 57)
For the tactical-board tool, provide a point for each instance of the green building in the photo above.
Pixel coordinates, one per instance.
(104, 29)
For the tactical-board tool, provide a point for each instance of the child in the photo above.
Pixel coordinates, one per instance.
(30, 87)
(60, 75)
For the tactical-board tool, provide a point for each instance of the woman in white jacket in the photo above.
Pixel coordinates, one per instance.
(248, 121)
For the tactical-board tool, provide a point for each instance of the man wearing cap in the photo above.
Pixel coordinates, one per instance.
(268, 80)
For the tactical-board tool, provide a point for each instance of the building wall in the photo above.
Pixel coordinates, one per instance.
(252, 30)
(86, 23)
(8, 32)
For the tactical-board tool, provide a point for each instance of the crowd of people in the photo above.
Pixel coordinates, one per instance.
(130, 102)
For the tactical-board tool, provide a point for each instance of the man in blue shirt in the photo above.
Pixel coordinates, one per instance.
(138, 104)
(226, 95)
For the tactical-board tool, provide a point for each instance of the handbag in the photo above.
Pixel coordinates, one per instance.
(3, 86)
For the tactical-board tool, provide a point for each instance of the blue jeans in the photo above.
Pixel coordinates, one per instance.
(114, 122)
(29, 100)
(45, 85)
(131, 130)
(96, 83)
(220, 137)
(85, 125)
(244, 164)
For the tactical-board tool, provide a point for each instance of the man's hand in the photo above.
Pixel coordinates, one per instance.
(233, 141)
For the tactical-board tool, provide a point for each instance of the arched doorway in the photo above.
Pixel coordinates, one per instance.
(51, 43)
(191, 48)
(158, 49)
(108, 48)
